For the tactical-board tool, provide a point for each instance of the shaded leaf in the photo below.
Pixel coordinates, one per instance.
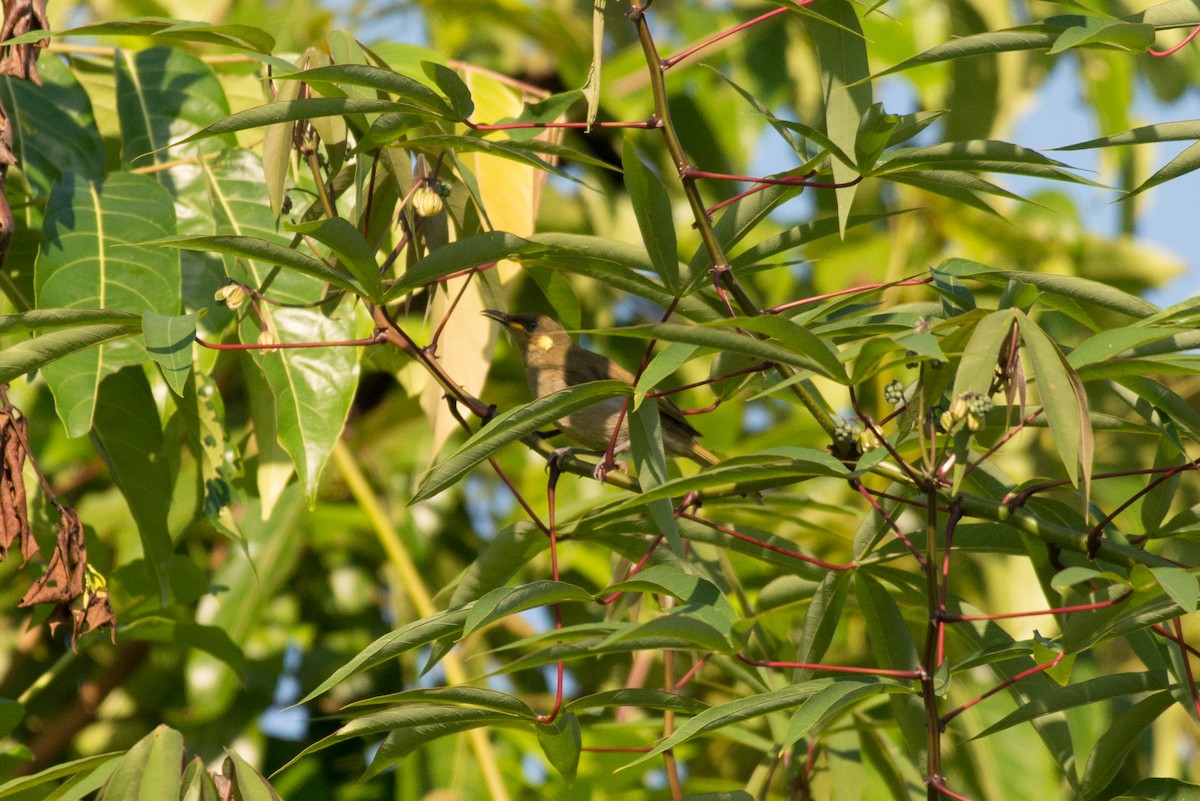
(511, 426)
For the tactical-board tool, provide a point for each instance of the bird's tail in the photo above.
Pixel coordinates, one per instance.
(702, 455)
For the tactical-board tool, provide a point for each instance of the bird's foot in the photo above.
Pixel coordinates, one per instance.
(560, 455)
(606, 466)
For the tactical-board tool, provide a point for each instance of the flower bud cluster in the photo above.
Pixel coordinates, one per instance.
(971, 407)
(854, 432)
(893, 393)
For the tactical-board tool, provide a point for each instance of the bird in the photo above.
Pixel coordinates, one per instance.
(553, 362)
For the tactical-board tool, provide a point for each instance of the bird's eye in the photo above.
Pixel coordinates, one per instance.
(531, 325)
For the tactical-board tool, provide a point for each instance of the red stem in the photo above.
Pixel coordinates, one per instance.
(558, 623)
(891, 523)
(864, 288)
(377, 339)
(1173, 50)
(1187, 665)
(946, 791)
(896, 674)
(513, 126)
(1060, 610)
(667, 63)
(1002, 685)
(812, 560)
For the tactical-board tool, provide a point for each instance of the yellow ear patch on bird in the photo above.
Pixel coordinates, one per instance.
(544, 342)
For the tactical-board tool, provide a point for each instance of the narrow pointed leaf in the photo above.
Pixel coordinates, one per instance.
(512, 426)
(652, 208)
(413, 635)
(248, 247)
(509, 600)
(1065, 401)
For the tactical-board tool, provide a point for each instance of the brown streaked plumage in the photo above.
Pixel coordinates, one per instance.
(553, 362)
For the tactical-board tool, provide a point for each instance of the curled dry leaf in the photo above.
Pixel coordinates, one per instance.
(14, 508)
(21, 17)
(78, 591)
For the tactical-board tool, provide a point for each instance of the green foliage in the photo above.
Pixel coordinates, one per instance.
(953, 526)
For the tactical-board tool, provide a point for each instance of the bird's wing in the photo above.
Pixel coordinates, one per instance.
(584, 365)
(671, 409)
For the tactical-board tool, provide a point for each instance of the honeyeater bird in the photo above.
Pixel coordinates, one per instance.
(554, 362)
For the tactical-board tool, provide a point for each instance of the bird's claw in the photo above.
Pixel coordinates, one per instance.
(606, 466)
(558, 456)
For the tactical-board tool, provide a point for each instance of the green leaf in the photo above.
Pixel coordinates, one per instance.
(652, 208)
(452, 87)
(874, 132)
(977, 369)
(472, 696)
(420, 726)
(414, 93)
(821, 620)
(239, 37)
(773, 467)
(1179, 583)
(980, 155)
(248, 784)
(1083, 290)
(511, 426)
(561, 742)
(650, 461)
(1100, 31)
(842, 55)
(285, 111)
(503, 555)
(1121, 737)
(505, 601)
(736, 711)
(802, 234)
(978, 44)
(248, 247)
(97, 254)
(668, 580)
(420, 632)
(55, 132)
(355, 255)
(128, 435)
(410, 727)
(1185, 162)
(100, 766)
(664, 364)
(30, 354)
(816, 356)
(151, 769)
(830, 703)
(639, 697)
(1182, 130)
(892, 645)
(522, 151)
(960, 186)
(1147, 606)
(1158, 789)
(312, 393)
(162, 94)
(169, 343)
(1065, 401)
(1091, 691)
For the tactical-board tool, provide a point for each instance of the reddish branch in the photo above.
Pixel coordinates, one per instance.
(1002, 685)
(1173, 50)
(819, 667)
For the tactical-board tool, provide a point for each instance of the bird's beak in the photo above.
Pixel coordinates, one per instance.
(504, 319)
